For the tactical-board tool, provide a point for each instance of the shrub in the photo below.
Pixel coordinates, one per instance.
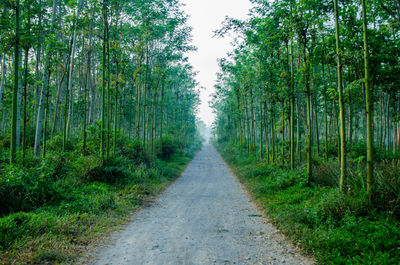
(5, 141)
(56, 144)
(326, 174)
(387, 175)
(168, 146)
(112, 171)
(335, 205)
(84, 165)
(132, 150)
(26, 189)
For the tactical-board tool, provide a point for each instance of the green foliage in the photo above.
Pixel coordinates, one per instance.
(63, 196)
(339, 228)
(56, 144)
(23, 189)
(133, 150)
(168, 147)
(111, 171)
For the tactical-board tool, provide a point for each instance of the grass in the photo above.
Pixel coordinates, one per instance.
(53, 211)
(336, 228)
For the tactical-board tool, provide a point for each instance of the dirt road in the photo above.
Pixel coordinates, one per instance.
(203, 218)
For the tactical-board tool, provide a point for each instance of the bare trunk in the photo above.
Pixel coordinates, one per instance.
(71, 68)
(3, 78)
(41, 107)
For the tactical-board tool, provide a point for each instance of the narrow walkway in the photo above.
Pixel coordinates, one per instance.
(203, 218)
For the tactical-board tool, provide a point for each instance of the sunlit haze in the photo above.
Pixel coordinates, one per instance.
(205, 17)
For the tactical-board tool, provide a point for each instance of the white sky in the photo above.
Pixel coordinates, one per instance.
(205, 17)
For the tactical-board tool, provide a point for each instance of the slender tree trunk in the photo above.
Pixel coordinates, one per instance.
(350, 129)
(103, 94)
(341, 103)
(298, 140)
(109, 91)
(309, 113)
(41, 107)
(38, 58)
(58, 103)
(25, 103)
(292, 103)
(261, 129)
(13, 146)
(266, 131)
(19, 100)
(325, 105)
(316, 124)
(273, 134)
(71, 68)
(283, 131)
(46, 114)
(3, 78)
(116, 109)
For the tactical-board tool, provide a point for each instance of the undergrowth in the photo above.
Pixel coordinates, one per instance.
(337, 228)
(52, 209)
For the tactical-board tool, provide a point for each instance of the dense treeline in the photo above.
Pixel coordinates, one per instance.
(311, 79)
(71, 67)
(308, 115)
(98, 106)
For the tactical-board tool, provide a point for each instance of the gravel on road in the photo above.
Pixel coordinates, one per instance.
(205, 217)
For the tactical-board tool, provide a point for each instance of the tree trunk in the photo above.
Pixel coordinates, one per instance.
(43, 93)
(71, 68)
(292, 103)
(341, 103)
(103, 94)
(19, 100)
(3, 78)
(25, 102)
(13, 146)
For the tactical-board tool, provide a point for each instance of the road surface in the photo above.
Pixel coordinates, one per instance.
(205, 217)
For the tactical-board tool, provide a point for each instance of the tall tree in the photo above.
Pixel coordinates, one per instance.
(369, 103)
(13, 146)
(339, 67)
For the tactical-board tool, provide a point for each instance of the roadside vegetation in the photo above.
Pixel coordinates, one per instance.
(53, 208)
(308, 115)
(335, 227)
(98, 106)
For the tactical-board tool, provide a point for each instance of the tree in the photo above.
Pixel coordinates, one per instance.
(13, 146)
(369, 104)
(341, 103)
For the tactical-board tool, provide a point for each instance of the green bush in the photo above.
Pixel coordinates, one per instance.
(111, 171)
(338, 228)
(326, 174)
(5, 141)
(133, 150)
(168, 146)
(387, 176)
(24, 189)
(52, 203)
(56, 144)
(336, 205)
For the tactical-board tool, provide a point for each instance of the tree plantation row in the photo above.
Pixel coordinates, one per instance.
(93, 69)
(315, 81)
(98, 105)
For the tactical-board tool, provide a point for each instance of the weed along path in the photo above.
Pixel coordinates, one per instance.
(205, 217)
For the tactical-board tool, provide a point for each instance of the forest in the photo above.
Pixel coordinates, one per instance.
(99, 115)
(98, 105)
(307, 109)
